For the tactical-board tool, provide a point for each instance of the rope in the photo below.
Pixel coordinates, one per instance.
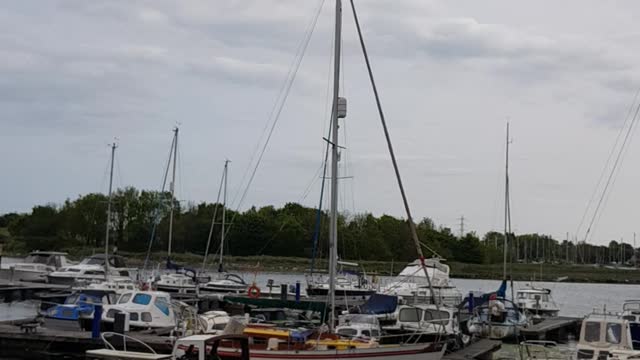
(281, 100)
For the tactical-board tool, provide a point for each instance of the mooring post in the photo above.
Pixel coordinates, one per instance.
(471, 302)
(284, 291)
(95, 323)
(297, 291)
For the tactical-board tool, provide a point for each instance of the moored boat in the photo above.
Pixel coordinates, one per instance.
(35, 267)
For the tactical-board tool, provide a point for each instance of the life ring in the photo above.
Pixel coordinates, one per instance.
(254, 292)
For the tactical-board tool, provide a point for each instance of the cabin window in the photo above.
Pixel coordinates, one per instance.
(629, 318)
(72, 270)
(366, 333)
(124, 298)
(435, 316)
(162, 304)
(410, 315)
(142, 299)
(375, 333)
(133, 316)
(592, 332)
(522, 296)
(614, 333)
(146, 317)
(347, 332)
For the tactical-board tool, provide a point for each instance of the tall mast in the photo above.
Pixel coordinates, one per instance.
(333, 227)
(173, 188)
(506, 208)
(106, 238)
(224, 202)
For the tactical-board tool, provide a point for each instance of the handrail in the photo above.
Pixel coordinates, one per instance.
(125, 338)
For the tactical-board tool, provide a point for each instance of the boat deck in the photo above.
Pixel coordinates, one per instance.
(556, 328)
(481, 349)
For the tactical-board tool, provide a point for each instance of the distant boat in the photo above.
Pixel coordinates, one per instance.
(176, 280)
(412, 285)
(91, 269)
(225, 282)
(537, 301)
(35, 267)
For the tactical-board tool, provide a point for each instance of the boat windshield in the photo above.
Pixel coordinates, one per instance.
(614, 333)
(142, 299)
(92, 261)
(124, 298)
(71, 299)
(592, 331)
(39, 259)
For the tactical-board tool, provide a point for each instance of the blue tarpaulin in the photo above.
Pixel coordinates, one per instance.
(379, 304)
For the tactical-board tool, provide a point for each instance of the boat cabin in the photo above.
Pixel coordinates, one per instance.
(358, 326)
(146, 309)
(602, 334)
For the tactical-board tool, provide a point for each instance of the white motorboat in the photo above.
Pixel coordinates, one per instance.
(536, 301)
(412, 286)
(178, 283)
(226, 283)
(91, 269)
(606, 335)
(348, 284)
(35, 267)
(431, 322)
(146, 309)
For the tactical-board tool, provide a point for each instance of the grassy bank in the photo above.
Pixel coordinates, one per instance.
(521, 272)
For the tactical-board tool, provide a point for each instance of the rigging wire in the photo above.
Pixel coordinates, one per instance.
(613, 171)
(280, 105)
(625, 151)
(607, 163)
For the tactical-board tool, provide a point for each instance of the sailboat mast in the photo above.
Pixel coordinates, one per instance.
(224, 207)
(506, 208)
(173, 188)
(108, 226)
(333, 228)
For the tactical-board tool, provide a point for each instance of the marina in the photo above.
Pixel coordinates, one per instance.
(421, 109)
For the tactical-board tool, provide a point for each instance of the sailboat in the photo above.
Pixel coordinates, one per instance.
(326, 343)
(99, 283)
(178, 279)
(499, 317)
(225, 283)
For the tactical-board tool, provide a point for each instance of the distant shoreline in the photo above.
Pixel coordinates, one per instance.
(520, 272)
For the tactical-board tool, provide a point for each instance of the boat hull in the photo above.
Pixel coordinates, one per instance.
(404, 352)
(23, 275)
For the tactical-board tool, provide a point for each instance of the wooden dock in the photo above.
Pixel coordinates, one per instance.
(555, 329)
(55, 344)
(482, 349)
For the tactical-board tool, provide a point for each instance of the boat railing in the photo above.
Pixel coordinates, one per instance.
(125, 338)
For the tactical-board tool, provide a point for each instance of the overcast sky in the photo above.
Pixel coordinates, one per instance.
(75, 74)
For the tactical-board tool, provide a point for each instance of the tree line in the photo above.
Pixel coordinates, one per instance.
(140, 218)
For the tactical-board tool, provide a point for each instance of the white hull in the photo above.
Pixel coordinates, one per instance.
(402, 352)
(23, 275)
